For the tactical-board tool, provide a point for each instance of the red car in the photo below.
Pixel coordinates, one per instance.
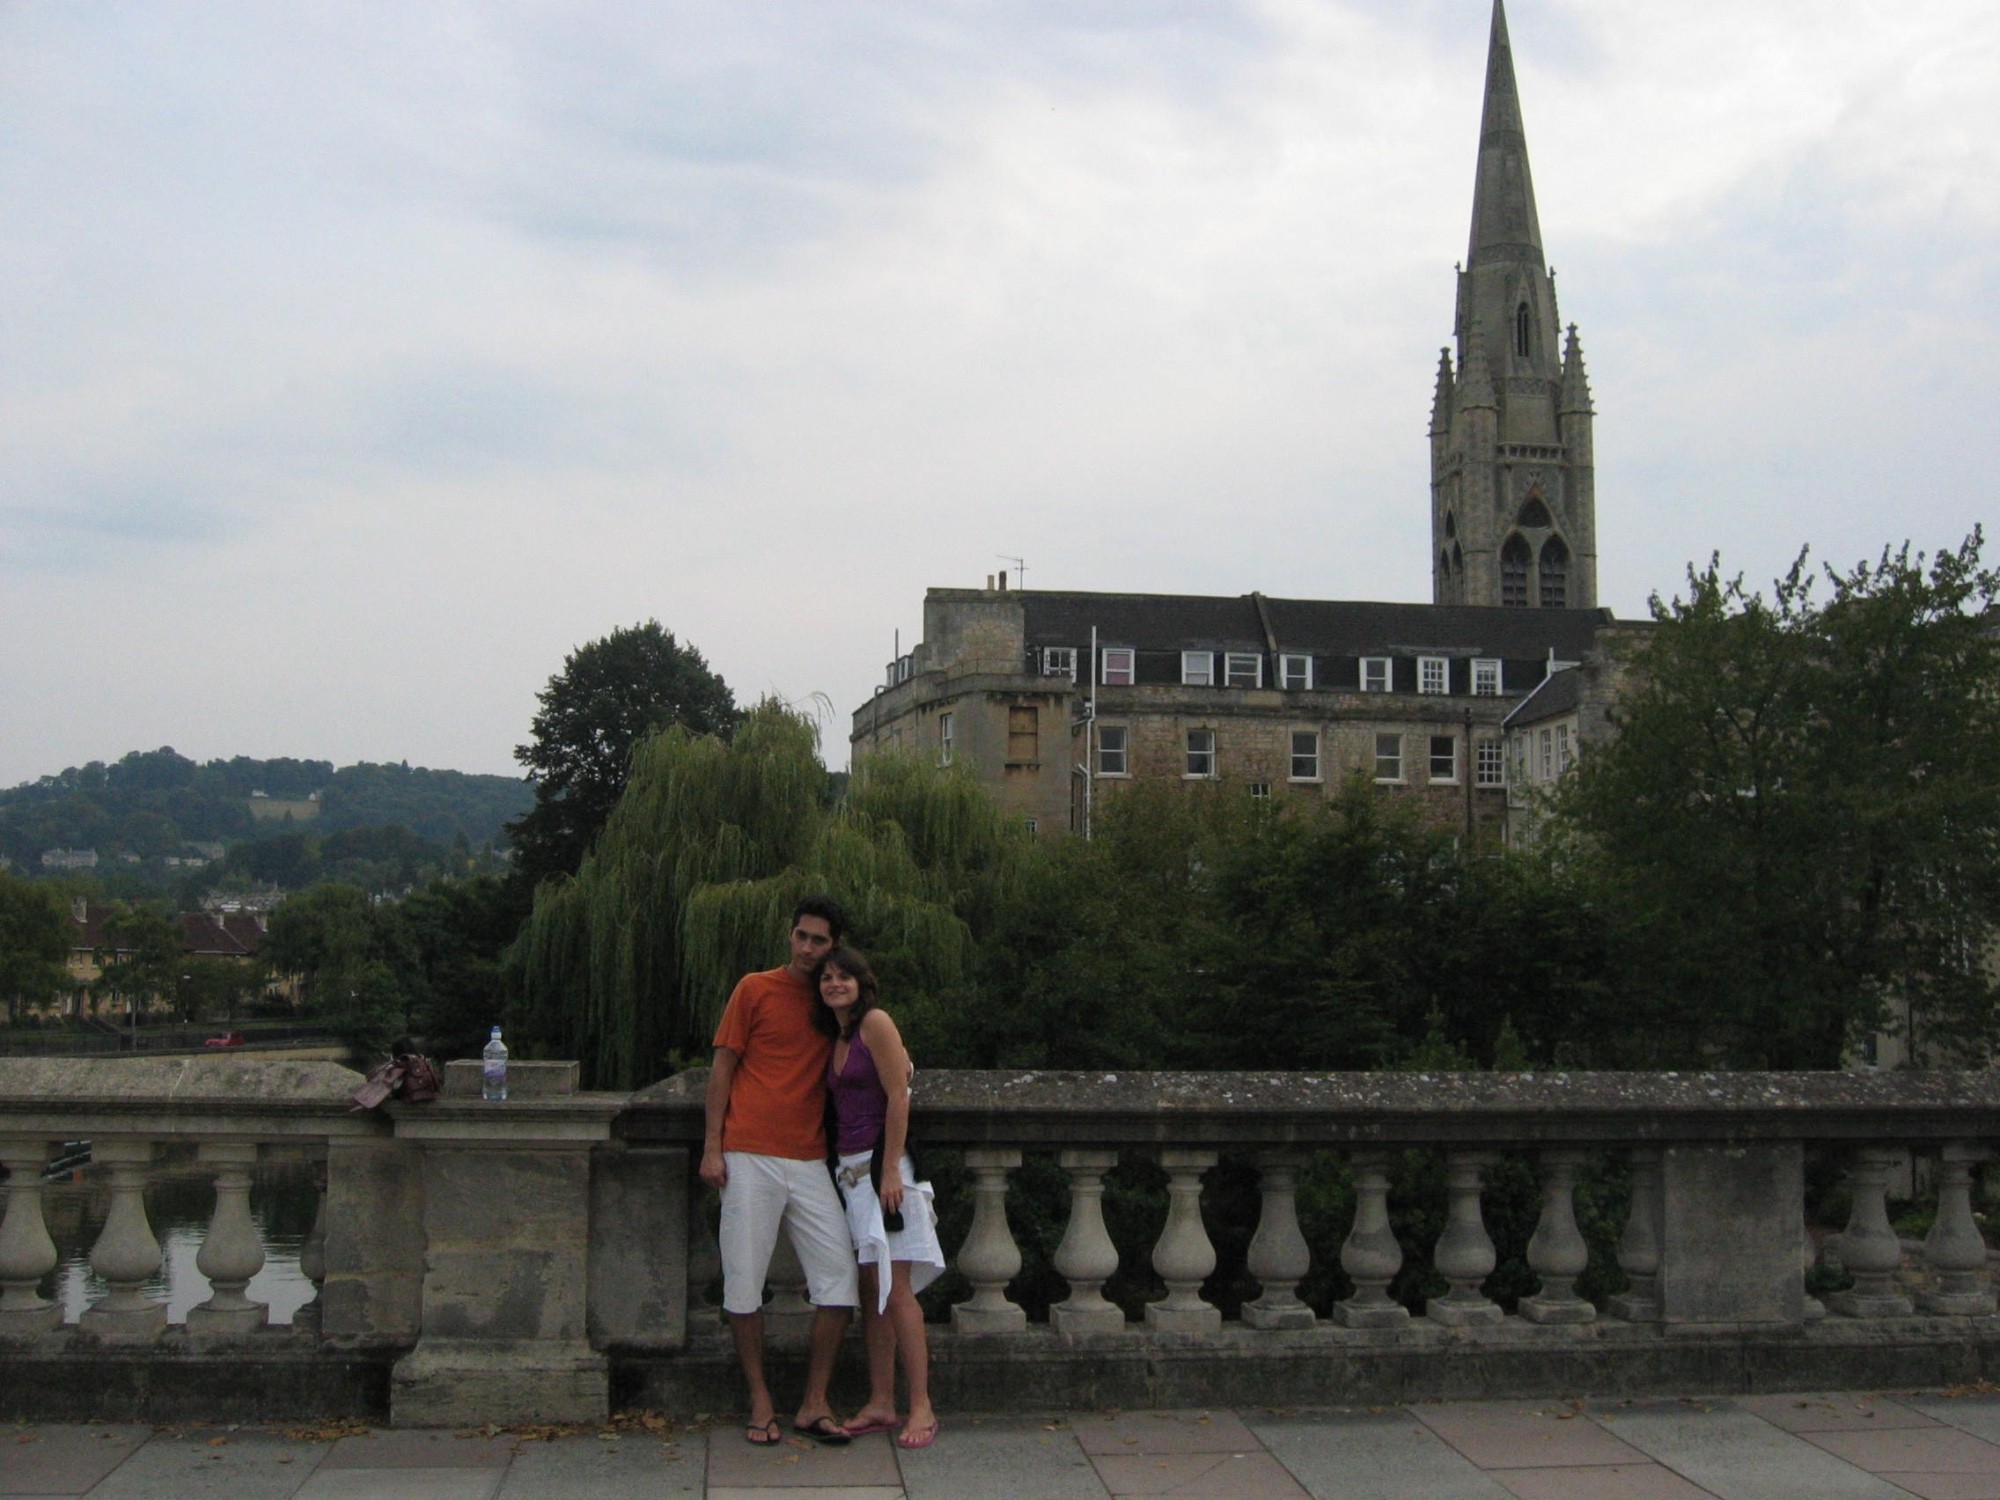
(227, 1039)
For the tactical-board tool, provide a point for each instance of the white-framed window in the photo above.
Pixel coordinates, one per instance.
(945, 736)
(1260, 789)
(1444, 757)
(1201, 752)
(1433, 674)
(1059, 661)
(1198, 669)
(1562, 748)
(1492, 764)
(1546, 744)
(1305, 755)
(1114, 743)
(1375, 674)
(1033, 825)
(1485, 677)
(1295, 671)
(1121, 665)
(1388, 757)
(1242, 669)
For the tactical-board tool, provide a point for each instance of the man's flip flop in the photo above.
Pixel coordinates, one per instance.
(872, 1425)
(823, 1430)
(763, 1436)
(915, 1440)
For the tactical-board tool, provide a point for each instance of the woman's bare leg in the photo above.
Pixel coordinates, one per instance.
(906, 1318)
(879, 1338)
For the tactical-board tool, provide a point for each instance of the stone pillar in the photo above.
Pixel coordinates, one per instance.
(989, 1258)
(1556, 1251)
(639, 1247)
(506, 1221)
(788, 1316)
(1370, 1256)
(372, 1295)
(1732, 1234)
(126, 1255)
(1184, 1256)
(1086, 1258)
(1955, 1250)
(1279, 1257)
(1639, 1245)
(232, 1251)
(1868, 1246)
(1464, 1254)
(27, 1254)
(704, 1253)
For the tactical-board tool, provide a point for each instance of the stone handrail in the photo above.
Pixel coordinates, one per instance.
(518, 1261)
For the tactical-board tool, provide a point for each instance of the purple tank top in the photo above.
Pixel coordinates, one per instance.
(859, 1104)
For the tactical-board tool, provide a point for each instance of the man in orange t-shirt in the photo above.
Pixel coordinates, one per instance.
(766, 1150)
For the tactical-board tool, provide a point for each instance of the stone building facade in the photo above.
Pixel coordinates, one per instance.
(1059, 700)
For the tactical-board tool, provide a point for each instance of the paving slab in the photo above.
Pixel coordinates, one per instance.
(1600, 1482)
(1215, 1476)
(797, 1463)
(1386, 1455)
(1163, 1432)
(1978, 1415)
(1001, 1459)
(196, 1464)
(420, 1449)
(63, 1460)
(405, 1483)
(1922, 1450)
(1949, 1486)
(587, 1467)
(1834, 1412)
(835, 1492)
(1736, 1455)
(1526, 1434)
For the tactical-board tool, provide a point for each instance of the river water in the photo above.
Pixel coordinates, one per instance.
(179, 1199)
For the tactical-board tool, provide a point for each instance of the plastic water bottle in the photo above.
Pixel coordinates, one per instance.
(493, 1075)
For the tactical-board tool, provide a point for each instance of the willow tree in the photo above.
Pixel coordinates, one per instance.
(626, 965)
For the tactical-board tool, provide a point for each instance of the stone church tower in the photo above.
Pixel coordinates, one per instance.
(1513, 507)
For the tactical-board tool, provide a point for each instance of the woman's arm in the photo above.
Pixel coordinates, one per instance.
(892, 1066)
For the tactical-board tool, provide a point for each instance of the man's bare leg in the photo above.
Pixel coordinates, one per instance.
(748, 1331)
(829, 1326)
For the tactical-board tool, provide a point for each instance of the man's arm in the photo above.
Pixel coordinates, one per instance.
(721, 1075)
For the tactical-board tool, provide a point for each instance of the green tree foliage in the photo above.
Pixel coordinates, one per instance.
(1796, 825)
(691, 883)
(34, 940)
(140, 955)
(610, 695)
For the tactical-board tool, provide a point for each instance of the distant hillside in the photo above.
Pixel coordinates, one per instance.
(153, 805)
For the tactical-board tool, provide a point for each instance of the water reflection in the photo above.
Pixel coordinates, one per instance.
(179, 1199)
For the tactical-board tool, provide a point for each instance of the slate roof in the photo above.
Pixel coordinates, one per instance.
(1330, 627)
(1558, 693)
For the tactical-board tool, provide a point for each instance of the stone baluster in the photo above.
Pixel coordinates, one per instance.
(1370, 1255)
(788, 1315)
(1464, 1254)
(1556, 1251)
(1086, 1258)
(1184, 1256)
(1639, 1245)
(704, 1253)
(27, 1254)
(312, 1254)
(989, 1258)
(1955, 1250)
(1868, 1246)
(126, 1255)
(1279, 1258)
(232, 1251)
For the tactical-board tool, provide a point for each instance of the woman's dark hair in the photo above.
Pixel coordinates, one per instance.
(855, 967)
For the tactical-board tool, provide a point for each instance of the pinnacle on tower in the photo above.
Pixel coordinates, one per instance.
(1575, 383)
(1441, 401)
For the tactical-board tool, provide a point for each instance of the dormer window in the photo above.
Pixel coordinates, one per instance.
(1374, 674)
(1197, 669)
(1243, 669)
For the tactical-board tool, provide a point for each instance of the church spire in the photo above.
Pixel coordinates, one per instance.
(1504, 226)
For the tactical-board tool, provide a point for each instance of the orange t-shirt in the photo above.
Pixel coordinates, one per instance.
(777, 1100)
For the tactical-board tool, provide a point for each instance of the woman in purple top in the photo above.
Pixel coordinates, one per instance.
(893, 1223)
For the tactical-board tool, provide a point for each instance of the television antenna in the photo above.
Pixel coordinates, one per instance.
(1020, 569)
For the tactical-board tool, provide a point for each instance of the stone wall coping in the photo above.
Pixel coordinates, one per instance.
(541, 1122)
(224, 1076)
(1079, 1108)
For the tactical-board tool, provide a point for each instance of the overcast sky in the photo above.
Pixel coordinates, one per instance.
(358, 362)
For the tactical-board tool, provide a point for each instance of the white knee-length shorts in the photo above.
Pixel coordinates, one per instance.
(765, 1192)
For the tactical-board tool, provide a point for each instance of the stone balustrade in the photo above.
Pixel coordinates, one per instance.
(538, 1259)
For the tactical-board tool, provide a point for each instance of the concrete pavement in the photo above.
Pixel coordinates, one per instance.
(1939, 1445)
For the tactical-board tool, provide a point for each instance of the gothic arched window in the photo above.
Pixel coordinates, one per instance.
(1447, 585)
(1534, 513)
(1515, 560)
(1450, 526)
(1524, 324)
(1555, 574)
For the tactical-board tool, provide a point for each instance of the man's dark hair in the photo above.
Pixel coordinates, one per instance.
(827, 910)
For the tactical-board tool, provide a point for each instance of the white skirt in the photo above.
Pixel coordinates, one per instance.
(877, 1245)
